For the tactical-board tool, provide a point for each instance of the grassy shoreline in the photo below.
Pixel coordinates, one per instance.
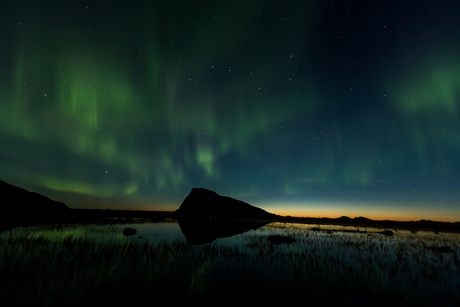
(91, 215)
(74, 264)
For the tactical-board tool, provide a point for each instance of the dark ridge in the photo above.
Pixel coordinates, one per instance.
(362, 219)
(422, 225)
(203, 202)
(20, 207)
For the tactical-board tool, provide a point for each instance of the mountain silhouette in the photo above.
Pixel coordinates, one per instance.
(203, 202)
(20, 207)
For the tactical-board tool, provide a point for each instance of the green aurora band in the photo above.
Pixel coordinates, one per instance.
(136, 105)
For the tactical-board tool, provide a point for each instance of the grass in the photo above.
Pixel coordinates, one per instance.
(70, 265)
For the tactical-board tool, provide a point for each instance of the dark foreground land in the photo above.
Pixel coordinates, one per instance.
(95, 215)
(77, 257)
(91, 261)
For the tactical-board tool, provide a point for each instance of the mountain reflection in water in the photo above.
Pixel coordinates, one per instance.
(202, 231)
(277, 263)
(195, 231)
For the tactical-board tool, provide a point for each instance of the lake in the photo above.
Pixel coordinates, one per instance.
(273, 263)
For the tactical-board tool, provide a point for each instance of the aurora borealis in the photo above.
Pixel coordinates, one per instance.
(309, 108)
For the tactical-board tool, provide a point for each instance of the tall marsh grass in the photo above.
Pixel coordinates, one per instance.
(77, 264)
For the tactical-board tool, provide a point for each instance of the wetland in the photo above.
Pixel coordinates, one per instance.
(272, 262)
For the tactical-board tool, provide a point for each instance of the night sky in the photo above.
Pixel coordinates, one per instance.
(306, 108)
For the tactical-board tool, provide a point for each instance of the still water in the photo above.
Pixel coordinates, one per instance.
(343, 264)
(174, 231)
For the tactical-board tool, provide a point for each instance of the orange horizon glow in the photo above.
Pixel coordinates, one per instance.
(401, 211)
(332, 213)
(390, 217)
(376, 216)
(380, 212)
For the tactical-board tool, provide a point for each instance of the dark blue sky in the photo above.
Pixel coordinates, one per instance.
(309, 108)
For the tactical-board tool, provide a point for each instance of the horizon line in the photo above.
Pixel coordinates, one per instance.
(287, 216)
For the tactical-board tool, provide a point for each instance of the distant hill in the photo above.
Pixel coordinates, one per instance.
(20, 207)
(203, 202)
